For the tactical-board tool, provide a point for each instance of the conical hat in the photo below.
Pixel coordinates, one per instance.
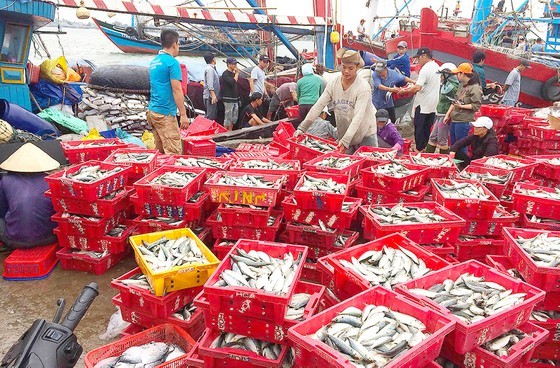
(29, 159)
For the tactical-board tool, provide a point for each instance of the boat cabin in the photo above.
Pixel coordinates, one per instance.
(18, 20)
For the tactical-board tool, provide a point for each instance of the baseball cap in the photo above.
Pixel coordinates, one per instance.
(264, 58)
(380, 66)
(483, 122)
(463, 68)
(521, 38)
(526, 63)
(382, 115)
(402, 44)
(423, 51)
(446, 68)
(231, 60)
(326, 110)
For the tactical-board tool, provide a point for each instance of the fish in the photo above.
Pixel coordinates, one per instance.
(544, 249)
(502, 163)
(90, 173)
(311, 183)
(114, 194)
(230, 340)
(133, 157)
(393, 169)
(470, 298)
(117, 231)
(196, 197)
(167, 220)
(486, 177)
(403, 214)
(346, 206)
(247, 180)
(89, 253)
(317, 145)
(462, 190)
(387, 267)
(148, 355)
(502, 344)
(185, 313)
(553, 161)
(336, 162)
(266, 165)
(163, 254)
(258, 270)
(199, 162)
(553, 194)
(173, 179)
(431, 161)
(296, 308)
(379, 155)
(137, 280)
(543, 316)
(541, 220)
(373, 336)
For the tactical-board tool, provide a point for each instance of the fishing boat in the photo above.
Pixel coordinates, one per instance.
(145, 40)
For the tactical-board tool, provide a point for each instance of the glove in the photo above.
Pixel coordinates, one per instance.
(397, 147)
(297, 133)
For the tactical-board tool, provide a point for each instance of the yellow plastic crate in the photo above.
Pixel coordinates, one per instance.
(180, 277)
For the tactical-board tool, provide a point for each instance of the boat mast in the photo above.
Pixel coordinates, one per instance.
(407, 2)
(325, 49)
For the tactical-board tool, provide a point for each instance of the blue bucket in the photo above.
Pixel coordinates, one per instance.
(20, 118)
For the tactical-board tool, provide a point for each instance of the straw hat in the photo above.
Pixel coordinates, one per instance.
(29, 159)
(350, 57)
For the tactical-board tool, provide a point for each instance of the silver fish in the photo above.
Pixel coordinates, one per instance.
(503, 343)
(88, 174)
(266, 165)
(486, 177)
(555, 194)
(544, 249)
(336, 162)
(327, 185)
(164, 254)
(114, 194)
(394, 169)
(138, 280)
(543, 316)
(247, 181)
(402, 214)
(431, 161)
(199, 162)
(185, 313)
(148, 355)
(297, 305)
(230, 340)
(379, 155)
(134, 157)
(471, 298)
(173, 179)
(502, 163)
(462, 190)
(541, 220)
(372, 337)
(387, 267)
(167, 220)
(317, 145)
(90, 253)
(117, 231)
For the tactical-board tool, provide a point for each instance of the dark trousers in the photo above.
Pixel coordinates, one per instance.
(46, 240)
(422, 127)
(392, 114)
(303, 111)
(463, 156)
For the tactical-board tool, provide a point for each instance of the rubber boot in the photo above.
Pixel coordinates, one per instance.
(430, 148)
(444, 151)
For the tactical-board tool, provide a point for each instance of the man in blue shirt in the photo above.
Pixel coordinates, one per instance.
(401, 61)
(385, 81)
(538, 46)
(166, 96)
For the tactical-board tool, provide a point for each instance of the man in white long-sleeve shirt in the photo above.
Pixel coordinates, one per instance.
(353, 110)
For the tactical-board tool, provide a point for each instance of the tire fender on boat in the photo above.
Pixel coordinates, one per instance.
(550, 90)
(131, 31)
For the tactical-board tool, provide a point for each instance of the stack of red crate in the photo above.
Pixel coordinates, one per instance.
(78, 152)
(543, 139)
(126, 156)
(90, 217)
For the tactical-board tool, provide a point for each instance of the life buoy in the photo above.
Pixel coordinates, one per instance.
(550, 90)
(131, 31)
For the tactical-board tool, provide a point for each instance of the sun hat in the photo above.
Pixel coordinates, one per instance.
(350, 56)
(29, 159)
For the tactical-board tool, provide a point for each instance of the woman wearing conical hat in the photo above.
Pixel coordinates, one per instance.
(25, 212)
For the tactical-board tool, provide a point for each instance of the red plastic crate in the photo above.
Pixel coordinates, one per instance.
(86, 226)
(163, 194)
(313, 353)
(234, 358)
(544, 144)
(466, 337)
(528, 120)
(259, 328)
(466, 207)
(107, 243)
(341, 220)
(221, 251)
(436, 171)
(137, 298)
(303, 153)
(221, 163)
(138, 169)
(351, 170)
(518, 357)
(267, 233)
(531, 205)
(244, 215)
(422, 233)
(372, 179)
(202, 126)
(544, 131)
(439, 249)
(200, 146)
(527, 223)
(292, 111)
(375, 155)
(99, 208)
(283, 132)
(549, 350)
(496, 188)
(191, 211)
(545, 278)
(145, 225)
(164, 333)
(292, 174)
(525, 171)
(382, 196)
(545, 168)
(316, 252)
(310, 272)
(61, 186)
(495, 111)
(321, 200)
(245, 195)
(493, 227)
(311, 236)
(81, 151)
(478, 248)
(252, 302)
(348, 282)
(80, 262)
(194, 327)
(30, 264)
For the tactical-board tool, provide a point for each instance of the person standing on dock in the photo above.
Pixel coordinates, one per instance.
(353, 110)
(211, 87)
(385, 82)
(309, 88)
(256, 82)
(166, 96)
(512, 85)
(230, 94)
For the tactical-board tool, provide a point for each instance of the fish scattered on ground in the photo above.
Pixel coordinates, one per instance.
(387, 267)
(393, 169)
(164, 254)
(258, 270)
(471, 298)
(372, 337)
(266, 349)
(403, 214)
(144, 356)
(267, 165)
(486, 177)
(88, 174)
(503, 163)
(296, 308)
(460, 190)
(554, 194)
(247, 181)
(379, 155)
(199, 162)
(89, 253)
(173, 179)
(544, 249)
(327, 185)
(501, 345)
(431, 161)
(117, 231)
(185, 313)
(317, 145)
(133, 157)
(336, 162)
